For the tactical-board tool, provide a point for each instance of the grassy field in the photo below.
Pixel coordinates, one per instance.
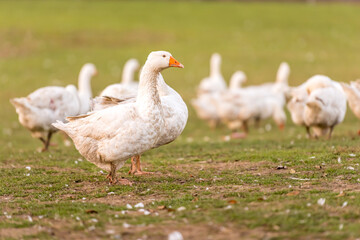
(204, 187)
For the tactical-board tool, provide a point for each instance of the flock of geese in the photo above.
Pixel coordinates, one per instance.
(319, 104)
(130, 118)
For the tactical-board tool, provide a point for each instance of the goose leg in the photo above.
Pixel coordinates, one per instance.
(136, 166)
(308, 132)
(212, 124)
(245, 127)
(112, 174)
(46, 142)
(133, 165)
(257, 122)
(114, 180)
(330, 132)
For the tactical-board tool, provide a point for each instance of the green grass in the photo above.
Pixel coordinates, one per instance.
(46, 43)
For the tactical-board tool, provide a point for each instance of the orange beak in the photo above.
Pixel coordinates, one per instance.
(96, 73)
(281, 126)
(174, 63)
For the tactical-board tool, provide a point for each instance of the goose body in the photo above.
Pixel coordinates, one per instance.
(319, 104)
(227, 105)
(47, 105)
(325, 108)
(250, 103)
(128, 87)
(110, 136)
(175, 116)
(174, 109)
(209, 92)
(257, 109)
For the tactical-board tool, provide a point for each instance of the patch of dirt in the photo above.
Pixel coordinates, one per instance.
(209, 231)
(247, 167)
(6, 199)
(132, 199)
(18, 233)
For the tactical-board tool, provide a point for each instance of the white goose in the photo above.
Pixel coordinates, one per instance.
(253, 108)
(215, 82)
(227, 104)
(266, 100)
(279, 86)
(209, 92)
(237, 80)
(127, 87)
(296, 105)
(319, 104)
(46, 105)
(175, 116)
(110, 136)
(325, 108)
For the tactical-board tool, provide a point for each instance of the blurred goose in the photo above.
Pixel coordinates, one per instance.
(85, 92)
(209, 91)
(310, 106)
(226, 106)
(355, 84)
(253, 108)
(325, 108)
(353, 97)
(237, 80)
(205, 107)
(110, 136)
(127, 87)
(215, 82)
(46, 105)
(279, 86)
(296, 105)
(175, 116)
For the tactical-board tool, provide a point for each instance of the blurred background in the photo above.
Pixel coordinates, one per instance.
(45, 43)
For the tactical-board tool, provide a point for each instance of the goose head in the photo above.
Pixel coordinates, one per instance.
(237, 79)
(130, 68)
(215, 59)
(161, 60)
(85, 92)
(72, 89)
(88, 71)
(132, 64)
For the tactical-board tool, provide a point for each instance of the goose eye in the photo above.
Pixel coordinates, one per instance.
(164, 56)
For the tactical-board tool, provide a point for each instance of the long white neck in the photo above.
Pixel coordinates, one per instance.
(84, 84)
(283, 73)
(236, 81)
(215, 68)
(85, 93)
(148, 100)
(128, 73)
